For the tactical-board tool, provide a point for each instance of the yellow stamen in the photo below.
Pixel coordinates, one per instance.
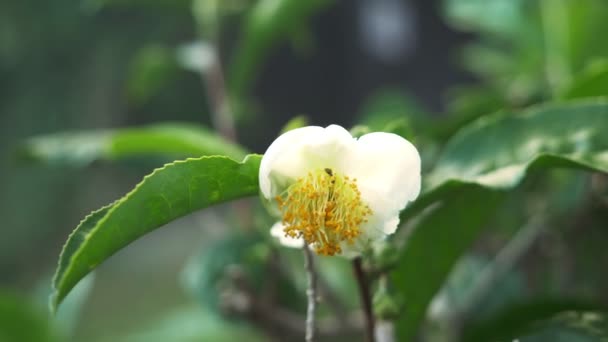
(325, 209)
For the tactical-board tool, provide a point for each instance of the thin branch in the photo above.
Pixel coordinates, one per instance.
(221, 112)
(366, 299)
(311, 293)
(238, 298)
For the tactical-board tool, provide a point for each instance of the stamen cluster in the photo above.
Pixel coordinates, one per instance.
(325, 209)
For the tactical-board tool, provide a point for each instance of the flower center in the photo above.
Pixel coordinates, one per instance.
(325, 209)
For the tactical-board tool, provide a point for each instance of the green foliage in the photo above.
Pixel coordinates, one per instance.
(523, 53)
(498, 150)
(152, 69)
(266, 24)
(295, 122)
(439, 239)
(205, 273)
(21, 322)
(168, 193)
(525, 317)
(167, 140)
(189, 325)
(494, 153)
(593, 81)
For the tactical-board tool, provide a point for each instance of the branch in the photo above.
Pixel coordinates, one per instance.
(366, 299)
(311, 293)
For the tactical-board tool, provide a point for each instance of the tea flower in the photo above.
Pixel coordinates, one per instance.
(338, 193)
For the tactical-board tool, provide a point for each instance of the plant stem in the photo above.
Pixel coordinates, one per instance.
(311, 294)
(366, 299)
(221, 112)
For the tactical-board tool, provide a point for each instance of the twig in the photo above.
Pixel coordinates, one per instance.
(311, 293)
(221, 112)
(366, 299)
(238, 298)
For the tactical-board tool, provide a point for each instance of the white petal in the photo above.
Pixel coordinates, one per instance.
(278, 232)
(298, 151)
(387, 168)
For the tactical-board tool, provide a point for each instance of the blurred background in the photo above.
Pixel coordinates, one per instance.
(108, 64)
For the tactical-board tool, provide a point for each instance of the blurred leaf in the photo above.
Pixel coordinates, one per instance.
(152, 68)
(68, 316)
(592, 82)
(173, 191)
(520, 319)
(20, 322)
(465, 104)
(96, 5)
(493, 153)
(209, 14)
(205, 272)
(461, 285)
(440, 238)
(268, 22)
(394, 112)
(169, 140)
(295, 122)
(493, 16)
(192, 324)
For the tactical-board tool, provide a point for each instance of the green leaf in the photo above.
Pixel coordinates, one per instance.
(208, 269)
(493, 16)
(192, 324)
(268, 22)
(497, 151)
(168, 140)
(591, 83)
(440, 238)
(21, 322)
(524, 317)
(487, 157)
(173, 191)
(295, 122)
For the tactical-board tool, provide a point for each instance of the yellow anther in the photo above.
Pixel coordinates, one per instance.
(325, 209)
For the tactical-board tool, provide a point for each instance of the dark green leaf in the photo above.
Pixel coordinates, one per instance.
(168, 193)
(492, 154)
(168, 140)
(441, 236)
(522, 318)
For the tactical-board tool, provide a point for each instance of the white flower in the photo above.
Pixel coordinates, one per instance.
(338, 193)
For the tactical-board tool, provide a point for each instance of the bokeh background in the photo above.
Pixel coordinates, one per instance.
(103, 64)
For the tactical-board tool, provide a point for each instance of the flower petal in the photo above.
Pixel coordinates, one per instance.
(298, 151)
(278, 232)
(387, 168)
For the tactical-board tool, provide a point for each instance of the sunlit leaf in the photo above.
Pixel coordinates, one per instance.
(168, 140)
(173, 191)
